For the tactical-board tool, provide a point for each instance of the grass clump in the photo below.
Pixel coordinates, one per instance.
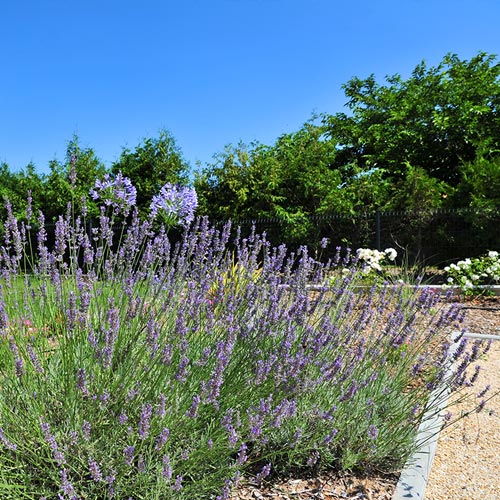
(133, 368)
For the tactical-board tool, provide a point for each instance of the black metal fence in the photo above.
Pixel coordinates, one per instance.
(433, 237)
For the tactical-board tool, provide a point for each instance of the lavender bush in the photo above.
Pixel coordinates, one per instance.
(145, 370)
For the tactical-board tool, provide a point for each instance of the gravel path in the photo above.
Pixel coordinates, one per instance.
(467, 457)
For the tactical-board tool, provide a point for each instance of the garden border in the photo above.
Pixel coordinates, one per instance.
(415, 474)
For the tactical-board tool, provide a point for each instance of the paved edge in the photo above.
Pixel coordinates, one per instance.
(415, 474)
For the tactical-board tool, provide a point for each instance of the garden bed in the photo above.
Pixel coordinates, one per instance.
(478, 434)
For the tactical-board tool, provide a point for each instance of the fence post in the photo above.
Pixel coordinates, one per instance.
(377, 221)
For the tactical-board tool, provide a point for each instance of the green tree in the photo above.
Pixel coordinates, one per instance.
(435, 121)
(71, 180)
(153, 163)
(290, 181)
(480, 184)
(16, 186)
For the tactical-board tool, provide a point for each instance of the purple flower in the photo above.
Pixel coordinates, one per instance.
(178, 484)
(266, 470)
(193, 410)
(66, 486)
(176, 204)
(145, 420)
(51, 441)
(161, 410)
(167, 469)
(110, 479)
(118, 193)
(329, 437)
(72, 171)
(313, 458)
(17, 358)
(6, 442)
(128, 451)
(162, 439)
(95, 471)
(483, 392)
(82, 383)
(475, 375)
(86, 428)
(372, 432)
(242, 454)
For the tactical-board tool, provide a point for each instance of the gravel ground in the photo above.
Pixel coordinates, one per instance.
(466, 463)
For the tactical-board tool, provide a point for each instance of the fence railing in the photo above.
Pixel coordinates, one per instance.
(434, 237)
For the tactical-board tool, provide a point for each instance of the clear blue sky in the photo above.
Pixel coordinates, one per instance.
(212, 72)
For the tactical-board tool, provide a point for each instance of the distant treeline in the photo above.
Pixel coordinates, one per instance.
(431, 141)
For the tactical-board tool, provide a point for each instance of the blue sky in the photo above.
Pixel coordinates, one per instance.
(212, 72)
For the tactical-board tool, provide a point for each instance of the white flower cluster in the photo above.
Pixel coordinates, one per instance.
(469, 273)
(374, 258)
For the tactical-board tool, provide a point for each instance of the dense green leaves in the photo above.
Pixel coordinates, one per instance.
(436, 120)
(152, 164)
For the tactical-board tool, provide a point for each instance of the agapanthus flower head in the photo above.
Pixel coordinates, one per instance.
(175, 204)
(117, 192)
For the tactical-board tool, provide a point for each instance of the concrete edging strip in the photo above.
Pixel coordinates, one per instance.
(415, 474)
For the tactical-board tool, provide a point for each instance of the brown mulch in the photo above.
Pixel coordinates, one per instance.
(324, 487)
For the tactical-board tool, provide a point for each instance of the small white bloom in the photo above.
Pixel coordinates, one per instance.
(447, 269)
(492, 254)
(450, 280)
(390, 253)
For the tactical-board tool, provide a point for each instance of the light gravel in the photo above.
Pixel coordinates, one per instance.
(467, 461)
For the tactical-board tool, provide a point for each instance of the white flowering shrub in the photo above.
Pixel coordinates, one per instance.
(471, 274)
(373, 260)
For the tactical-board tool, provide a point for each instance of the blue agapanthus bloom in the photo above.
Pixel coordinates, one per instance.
(117, 192)
(175, 204)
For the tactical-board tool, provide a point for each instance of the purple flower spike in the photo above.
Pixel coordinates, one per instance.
(266, 470)
(145, 420)
(372, 432)
(128, 451)
(178, 484)
(95, 470)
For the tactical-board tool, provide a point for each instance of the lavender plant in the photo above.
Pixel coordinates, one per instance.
(139, 369)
